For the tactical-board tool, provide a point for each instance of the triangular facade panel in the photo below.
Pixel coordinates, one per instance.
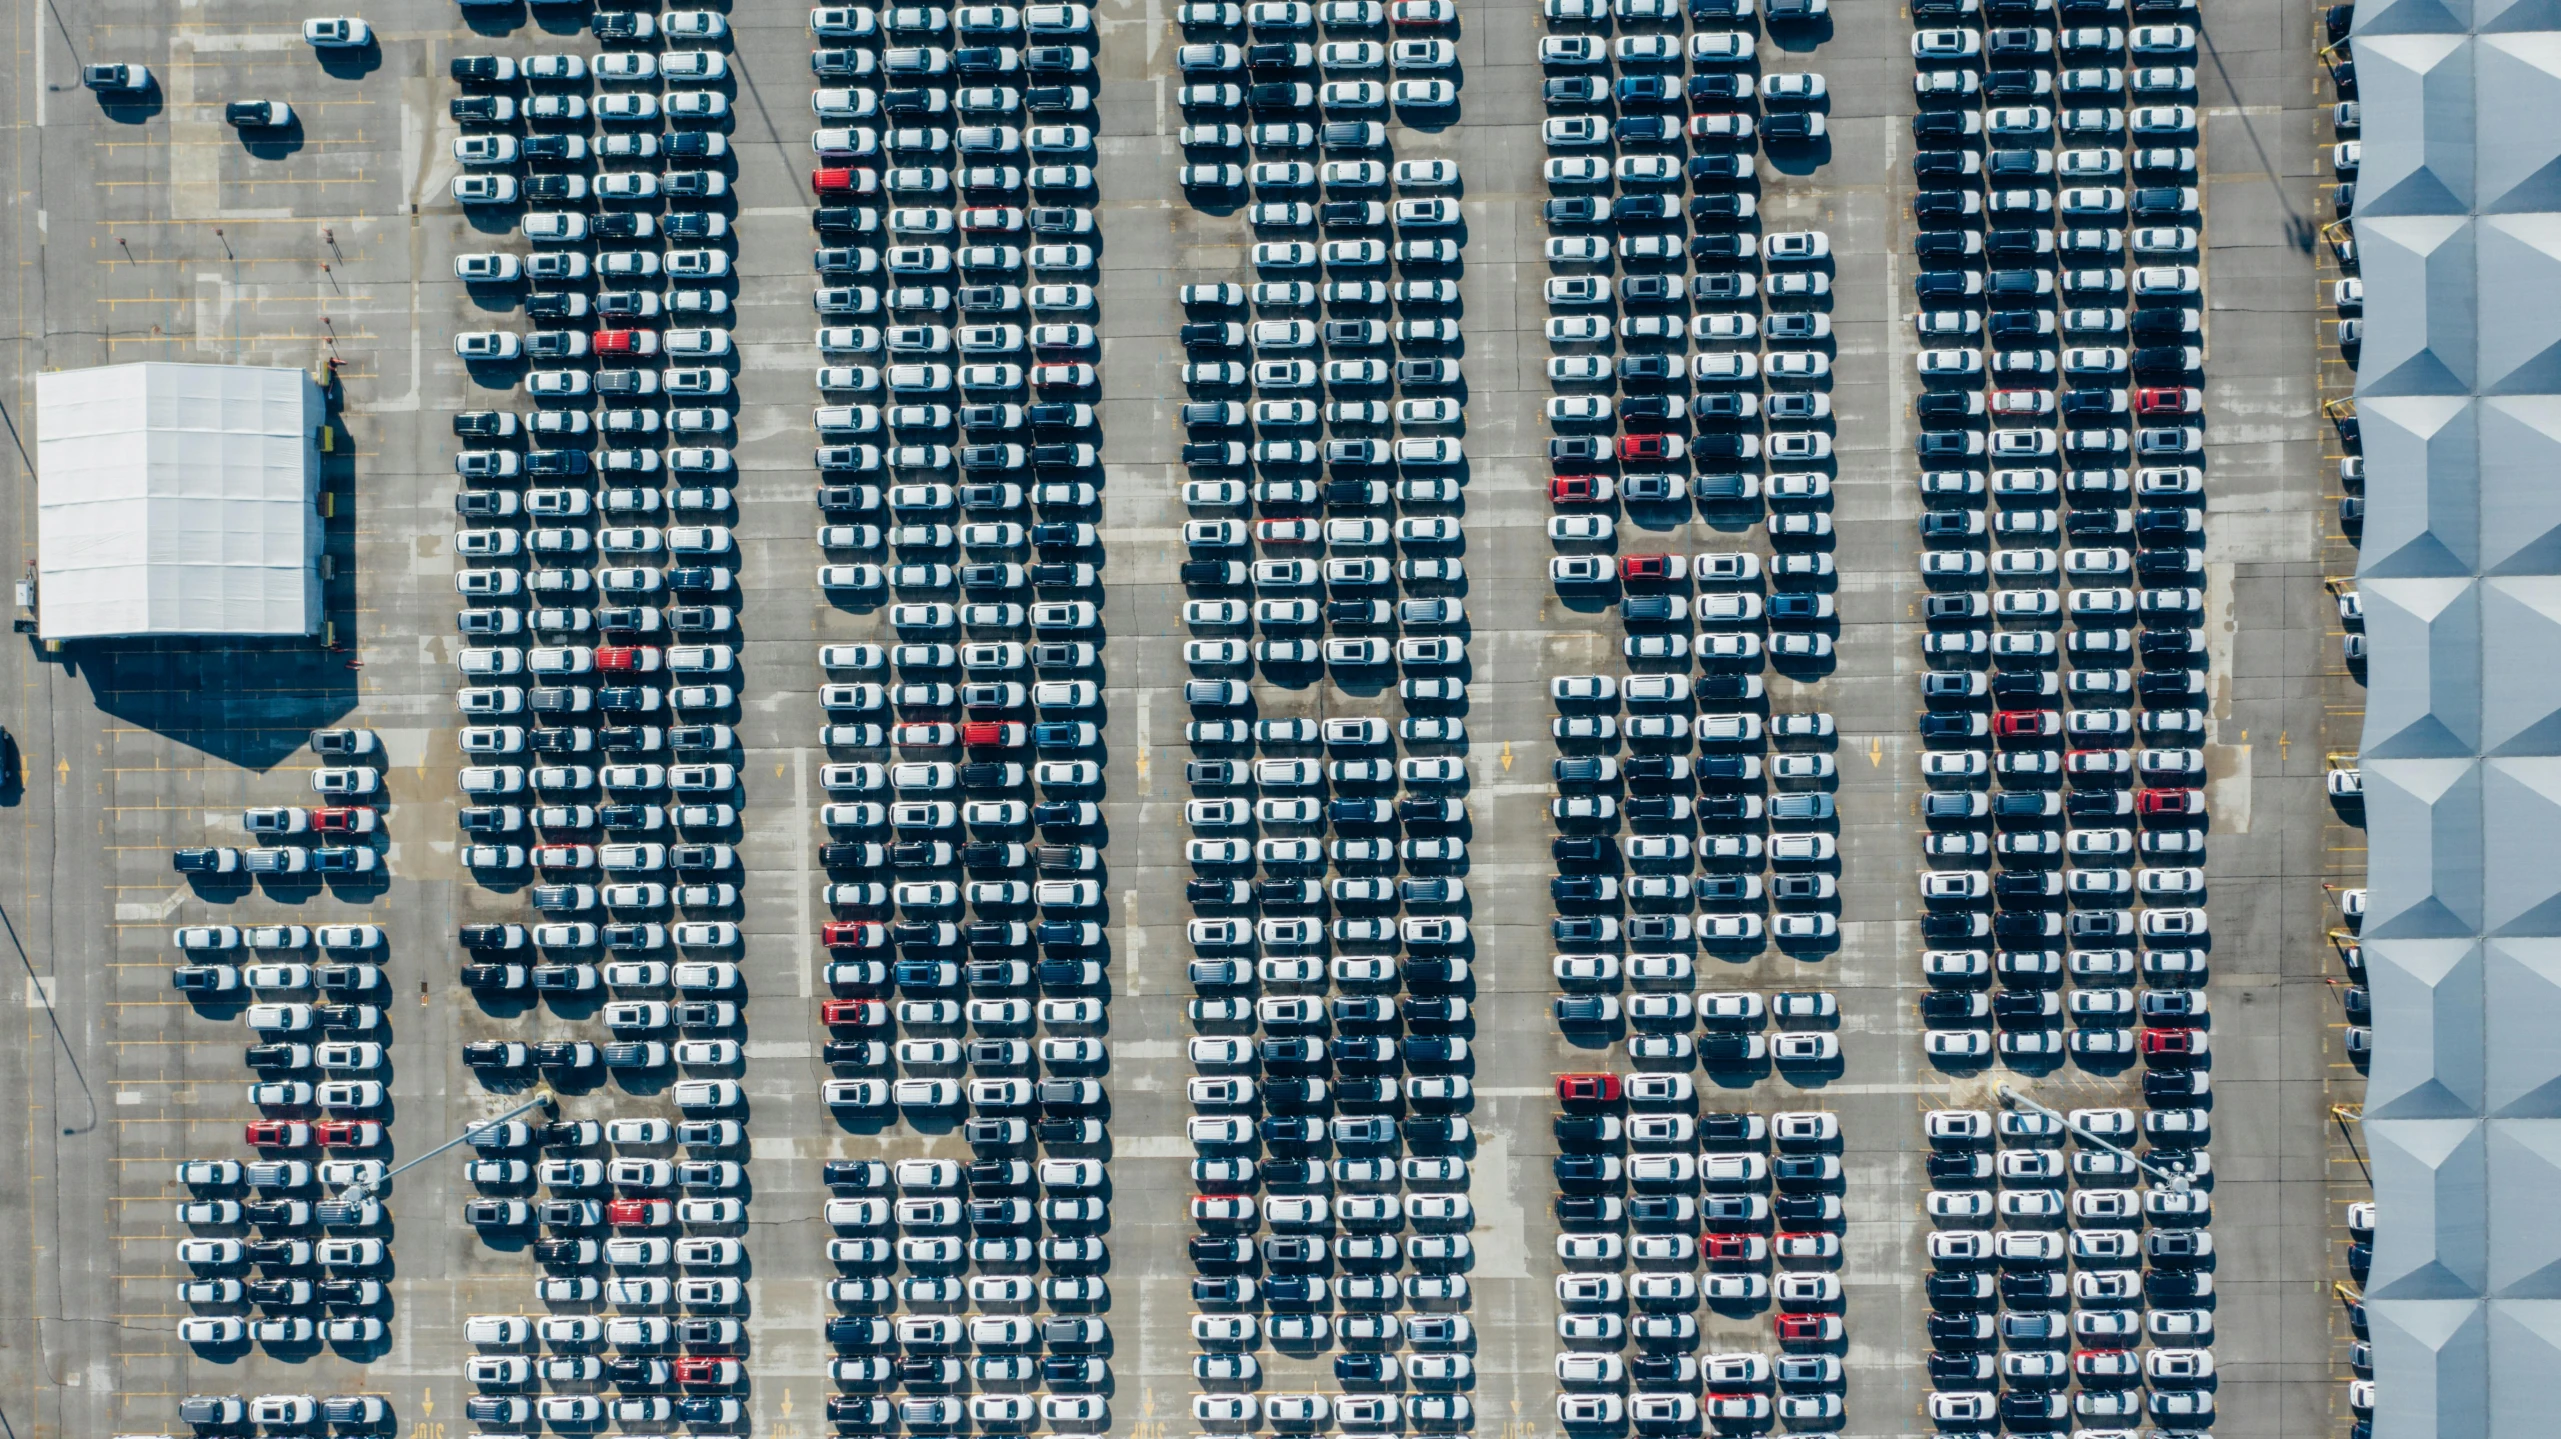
(2422, 507)
(2427, 1000)
(2521, 1028)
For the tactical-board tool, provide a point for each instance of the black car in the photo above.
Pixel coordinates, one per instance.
(1219, 1249)
(2013, 85)
(1363, 1090)
(2170, 1086)
(2176, 1285)
(1296, 1290)
(1582, 1129)
(1719, 211)
(555, 149)
(1791, 125)
(1360, 1368)
(860, 1331)
(1958, 1290)
(1430, 969)
(205, 860)
(2161, 202)
(1294, 1093)
(1276, 1130)
(1648, 90)
(1720, 86)
(630, 1373)
(1729, 1210)
(1940, 128)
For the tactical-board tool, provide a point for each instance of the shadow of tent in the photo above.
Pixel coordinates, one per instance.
(250, 703)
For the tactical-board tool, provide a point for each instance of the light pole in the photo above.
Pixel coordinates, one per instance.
(543, 1099)
(2177, 1179)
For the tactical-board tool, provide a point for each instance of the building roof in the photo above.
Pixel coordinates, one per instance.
(2458, 229)
(177, 500)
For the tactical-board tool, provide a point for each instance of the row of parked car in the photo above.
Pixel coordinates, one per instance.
(601, 663)
(2345, 780)
(2061, 315)
(964, 952)
(1665, 1207)
(318, 1061)
(1330, 1088)
(2067, 1284)
(1706, 387)
(1755, 305)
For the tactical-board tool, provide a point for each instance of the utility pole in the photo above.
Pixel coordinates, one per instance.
(543, 1099)
(2176, 1179)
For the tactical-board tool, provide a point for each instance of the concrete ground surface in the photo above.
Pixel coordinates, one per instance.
(154, 233)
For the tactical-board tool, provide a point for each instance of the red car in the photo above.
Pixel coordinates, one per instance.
(853, 934)
(2026, 724)
(1587, 1088)
(1580, 489)
(1653, 567)
(844, 180)
(1730, 1246)
(2174, 1043)
(857, 1013)
(990, 734)
(279, 1134)
(2169, 400)
(640, 1213)
(1808, 1328)
(627, 659)
(626, 342)
(340, 820)
(1650, 447)
(347, 1133)
(2171, 801)
(701, 1369)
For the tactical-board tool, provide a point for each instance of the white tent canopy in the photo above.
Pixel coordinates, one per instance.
(177, 500)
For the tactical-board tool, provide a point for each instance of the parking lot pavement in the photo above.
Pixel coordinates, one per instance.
(123, 755)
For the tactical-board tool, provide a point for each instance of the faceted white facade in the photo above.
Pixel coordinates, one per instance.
(2458, 200)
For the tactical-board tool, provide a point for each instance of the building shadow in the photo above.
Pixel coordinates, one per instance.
(252, 703)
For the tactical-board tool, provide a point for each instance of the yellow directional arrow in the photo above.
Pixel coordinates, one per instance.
(778, 769)
(785, 1407)
(1875, 751)
(1507, 756)
(426, 1402)
(1142, 762)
